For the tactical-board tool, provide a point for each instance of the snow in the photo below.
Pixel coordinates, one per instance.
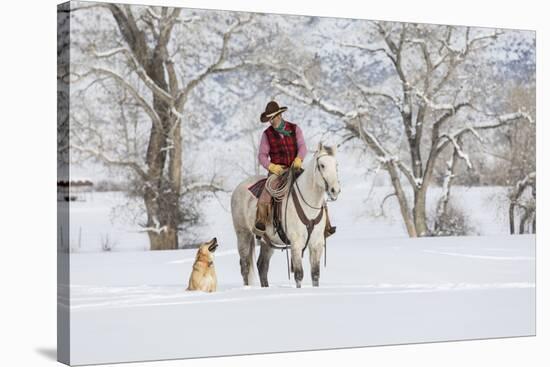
(96, 217)
(379, 288)
(157, 228)
(133, 306)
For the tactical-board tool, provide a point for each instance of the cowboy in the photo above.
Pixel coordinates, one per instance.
(282, 146)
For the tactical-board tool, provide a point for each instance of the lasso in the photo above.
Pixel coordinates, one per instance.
(278, 193)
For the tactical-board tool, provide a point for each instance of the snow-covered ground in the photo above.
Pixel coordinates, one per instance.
(130, 304)
(378, 288)
(133, 306)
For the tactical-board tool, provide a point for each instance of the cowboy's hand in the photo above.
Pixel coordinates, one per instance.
(276, 169)
(297, 164)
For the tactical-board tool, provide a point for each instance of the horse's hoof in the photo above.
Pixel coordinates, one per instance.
(298, 285)
(315, 283)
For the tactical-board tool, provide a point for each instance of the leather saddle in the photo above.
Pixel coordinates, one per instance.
(277, 209)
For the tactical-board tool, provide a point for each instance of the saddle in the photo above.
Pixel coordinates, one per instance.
(277, 209)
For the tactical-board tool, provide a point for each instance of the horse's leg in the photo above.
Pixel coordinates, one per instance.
(263, 263)
(245, 241)
(315, 252)
(296, 258)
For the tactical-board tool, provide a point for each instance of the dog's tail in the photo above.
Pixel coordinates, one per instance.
(252, 261)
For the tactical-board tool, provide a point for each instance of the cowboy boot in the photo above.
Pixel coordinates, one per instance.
(262, 213)
(329, 229)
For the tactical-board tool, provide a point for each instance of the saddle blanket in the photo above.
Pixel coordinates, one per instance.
(257, 188)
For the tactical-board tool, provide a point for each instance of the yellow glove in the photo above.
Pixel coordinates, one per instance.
(276, 169)
(297, 164)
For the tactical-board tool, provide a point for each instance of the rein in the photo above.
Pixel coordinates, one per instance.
(309, 223)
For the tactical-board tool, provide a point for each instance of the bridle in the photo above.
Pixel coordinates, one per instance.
(321, 172)
(318, 168)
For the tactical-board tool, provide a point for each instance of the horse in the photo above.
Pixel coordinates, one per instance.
(320, 177)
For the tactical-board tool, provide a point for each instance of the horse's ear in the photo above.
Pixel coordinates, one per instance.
(331, 150)
(320, 147)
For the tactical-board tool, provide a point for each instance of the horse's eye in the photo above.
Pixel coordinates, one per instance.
(322, 166)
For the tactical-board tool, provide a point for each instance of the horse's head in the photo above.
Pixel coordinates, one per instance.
(327, 166)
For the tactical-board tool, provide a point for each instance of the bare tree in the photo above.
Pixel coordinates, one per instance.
(429, 67)
(141, 72)
(525, 202)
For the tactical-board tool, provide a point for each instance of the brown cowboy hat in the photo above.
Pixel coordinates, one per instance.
(271, 110)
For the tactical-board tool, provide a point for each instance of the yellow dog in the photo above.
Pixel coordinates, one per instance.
(203, 276)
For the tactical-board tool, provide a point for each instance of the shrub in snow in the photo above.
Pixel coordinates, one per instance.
(453, 222)
(107, 244)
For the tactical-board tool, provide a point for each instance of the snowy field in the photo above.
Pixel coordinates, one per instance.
(130, 307)
(378, 288)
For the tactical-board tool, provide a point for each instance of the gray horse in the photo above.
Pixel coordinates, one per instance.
(320, 177)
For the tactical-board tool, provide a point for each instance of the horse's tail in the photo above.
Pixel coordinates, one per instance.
(251, 260)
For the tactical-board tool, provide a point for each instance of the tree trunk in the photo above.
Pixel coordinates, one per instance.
(164, 240)
(522, 222)
(162, 191)
(443, 204)
(511, 217)
(402, 199)
(175, 178)
(420, 212)
(162, 231)
(162, 194)
(415, 138)
(529, 180)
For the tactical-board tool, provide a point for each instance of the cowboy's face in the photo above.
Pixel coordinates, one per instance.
(276, 121)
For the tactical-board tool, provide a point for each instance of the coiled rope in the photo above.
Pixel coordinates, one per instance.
(278, 190)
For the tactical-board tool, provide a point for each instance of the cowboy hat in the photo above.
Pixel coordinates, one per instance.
(271, 110)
